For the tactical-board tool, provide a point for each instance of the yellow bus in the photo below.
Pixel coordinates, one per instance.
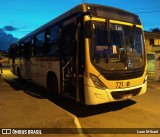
(92, 53)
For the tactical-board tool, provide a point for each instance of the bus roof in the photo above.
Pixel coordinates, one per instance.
(112, 13)
(95, 10)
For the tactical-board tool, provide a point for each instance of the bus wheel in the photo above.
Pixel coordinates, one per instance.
(52, 84)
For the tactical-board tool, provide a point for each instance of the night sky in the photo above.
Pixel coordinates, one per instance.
(20, 17)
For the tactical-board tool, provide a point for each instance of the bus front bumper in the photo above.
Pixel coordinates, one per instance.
(94, 96)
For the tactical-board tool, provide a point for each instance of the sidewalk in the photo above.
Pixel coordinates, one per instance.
(21, 110)
(153, 85)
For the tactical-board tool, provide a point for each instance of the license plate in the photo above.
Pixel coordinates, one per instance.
(127, 96)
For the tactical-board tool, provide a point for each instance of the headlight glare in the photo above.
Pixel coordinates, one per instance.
(96, 81)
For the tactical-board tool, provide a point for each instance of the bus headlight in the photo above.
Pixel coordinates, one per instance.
(96, 81)
(145, 79)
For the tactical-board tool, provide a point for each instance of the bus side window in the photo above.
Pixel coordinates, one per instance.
(39, 43)
(32, 47)
(47, 41)
(54, 41)
(28, 49)
(17, 51)
(51, 46)
(21, 50)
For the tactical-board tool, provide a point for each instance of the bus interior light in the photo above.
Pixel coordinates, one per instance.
(96, 81)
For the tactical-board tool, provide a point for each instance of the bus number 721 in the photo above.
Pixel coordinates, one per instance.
(119, 84)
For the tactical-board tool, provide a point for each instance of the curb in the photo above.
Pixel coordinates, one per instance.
(153, 85)
(75, 120)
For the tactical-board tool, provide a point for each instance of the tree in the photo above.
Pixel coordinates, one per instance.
(155, 29)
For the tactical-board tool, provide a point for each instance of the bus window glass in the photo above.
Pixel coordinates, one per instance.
(40, 38)
(17, 51)
(20, 50)
(54, 34)
(125, 49)
(139, 41)
(39, 43)
(53, 47)
(32, 47)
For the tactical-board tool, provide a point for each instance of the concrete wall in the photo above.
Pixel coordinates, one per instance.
(157, 67)
(153, 64)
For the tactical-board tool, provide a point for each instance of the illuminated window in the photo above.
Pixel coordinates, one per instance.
(151, 42)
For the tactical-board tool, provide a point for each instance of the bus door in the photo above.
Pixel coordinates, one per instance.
(67, 61)
(71, 62)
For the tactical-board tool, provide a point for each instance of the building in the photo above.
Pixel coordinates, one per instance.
(157, 66)
(152, 42)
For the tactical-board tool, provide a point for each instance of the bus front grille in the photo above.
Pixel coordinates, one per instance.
(119, 94)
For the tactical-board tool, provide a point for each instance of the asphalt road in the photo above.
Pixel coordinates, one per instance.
(140, 112)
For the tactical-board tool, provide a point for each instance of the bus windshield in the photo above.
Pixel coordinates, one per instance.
(120, 47)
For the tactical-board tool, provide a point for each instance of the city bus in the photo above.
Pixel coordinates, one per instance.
(92, 53)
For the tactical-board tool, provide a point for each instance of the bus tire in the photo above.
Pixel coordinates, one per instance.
(52, 84)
